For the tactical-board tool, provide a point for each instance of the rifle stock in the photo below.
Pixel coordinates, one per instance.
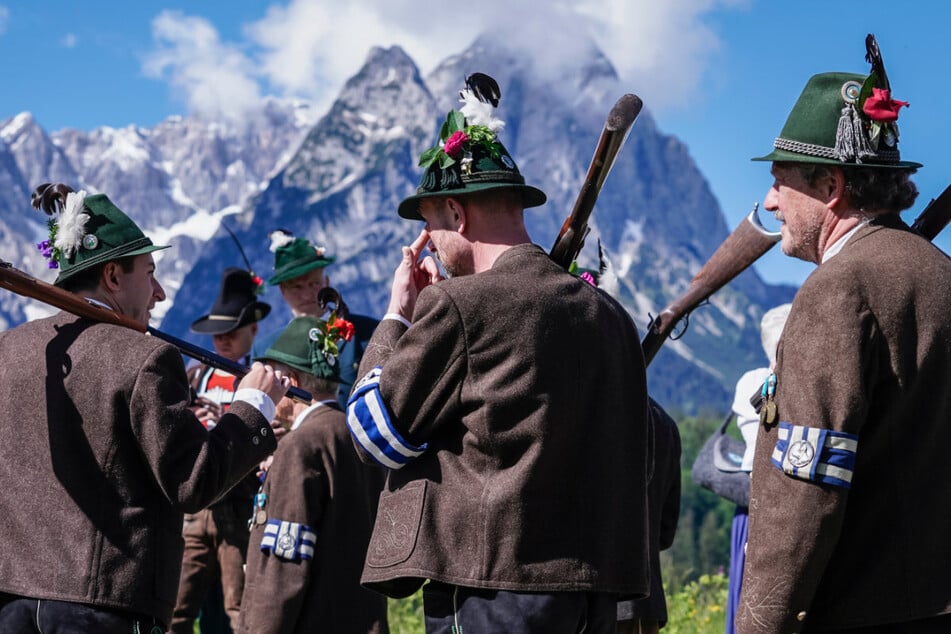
(574, 230)
(20, 283)
(748, 242)
(935, 216)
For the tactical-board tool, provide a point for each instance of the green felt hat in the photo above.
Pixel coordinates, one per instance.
(104, 235)
(311, 345)
(829, 124)
(467, 159)
(295, 256)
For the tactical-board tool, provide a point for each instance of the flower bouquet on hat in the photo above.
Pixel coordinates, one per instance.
(327, 336)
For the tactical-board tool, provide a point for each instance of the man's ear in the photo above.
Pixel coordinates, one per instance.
(458, 214)
(110, 276)
(833, 188)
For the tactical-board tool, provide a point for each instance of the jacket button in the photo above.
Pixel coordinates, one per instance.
(255, 440)
(801, 616)
(264, 431)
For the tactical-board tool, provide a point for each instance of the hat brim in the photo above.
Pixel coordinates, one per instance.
(107, 257)
(786, 156)
(531, 196)
(221, 325)
(296, 270)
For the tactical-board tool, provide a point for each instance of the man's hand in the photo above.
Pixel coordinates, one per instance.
(265, 378)
(412, 276)
(207, 411)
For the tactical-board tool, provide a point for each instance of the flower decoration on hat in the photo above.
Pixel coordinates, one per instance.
(327, 336)
(68, 234)
(258, 283)
(868, 127)
(475, 124)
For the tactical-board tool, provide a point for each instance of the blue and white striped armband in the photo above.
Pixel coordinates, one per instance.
(816, 455)
(369, 423)
(288, 540)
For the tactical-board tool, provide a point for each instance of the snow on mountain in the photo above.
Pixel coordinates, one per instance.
(337, 180)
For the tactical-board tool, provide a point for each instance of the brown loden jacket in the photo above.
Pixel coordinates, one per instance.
(524, 390)
(317, 481)
(866, 357)
(100, 459)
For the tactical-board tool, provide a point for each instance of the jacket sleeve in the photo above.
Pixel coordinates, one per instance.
(803, 465)
(192, 466)
(412, 380)
(277, 578)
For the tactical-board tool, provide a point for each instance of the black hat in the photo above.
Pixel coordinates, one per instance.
(235, 306)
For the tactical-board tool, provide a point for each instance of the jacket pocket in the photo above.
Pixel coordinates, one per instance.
(397, 525)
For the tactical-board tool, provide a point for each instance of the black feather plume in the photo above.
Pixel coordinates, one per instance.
(50, 198)
(484, 88)
(874, 57)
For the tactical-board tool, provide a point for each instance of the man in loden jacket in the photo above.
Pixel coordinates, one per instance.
(510, 405)
(101, 453)
(849, 521)
(313, 515)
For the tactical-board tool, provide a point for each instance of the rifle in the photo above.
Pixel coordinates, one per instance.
(748, 242)
(570, 239)
(741, 249)
(935, 216)
(20, 283)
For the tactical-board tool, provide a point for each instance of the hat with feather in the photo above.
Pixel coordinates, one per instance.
(89, 230)
(469, 156)
(311, 345)
(294, 256)
(844, 119)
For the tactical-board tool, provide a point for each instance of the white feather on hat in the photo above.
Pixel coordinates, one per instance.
(72, 224)
(279, 238)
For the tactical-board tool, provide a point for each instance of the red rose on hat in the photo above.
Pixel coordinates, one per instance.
(454, 144)
(879, 106)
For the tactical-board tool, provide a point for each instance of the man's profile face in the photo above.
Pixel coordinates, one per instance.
(300, 293)
(801, 210)
(235, 344)
(139, 291)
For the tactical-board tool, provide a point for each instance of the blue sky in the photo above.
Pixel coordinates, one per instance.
(721, 75)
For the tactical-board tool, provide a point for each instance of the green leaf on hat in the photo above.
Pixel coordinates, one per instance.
(429, 157)
(456, 121)
(445, 160)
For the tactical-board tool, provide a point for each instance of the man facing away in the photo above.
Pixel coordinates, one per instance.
(216, 538)
(313, 515)
(510, 405)
(849, 520)
(299, 273)
(97, 480)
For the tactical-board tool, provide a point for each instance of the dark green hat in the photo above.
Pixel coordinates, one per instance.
(468, 158)
(844, 119)
(104, 235)
(295, 256)
(311, 345)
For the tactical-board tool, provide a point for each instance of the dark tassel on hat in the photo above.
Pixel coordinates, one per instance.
(851, 140)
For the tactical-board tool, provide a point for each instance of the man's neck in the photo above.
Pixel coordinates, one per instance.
(839, 228)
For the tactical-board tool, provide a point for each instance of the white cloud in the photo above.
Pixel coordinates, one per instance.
(4, 18)
(309, 48)
(214, 78)
(69, 40)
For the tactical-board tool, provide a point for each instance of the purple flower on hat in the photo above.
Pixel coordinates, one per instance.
(587, 277)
